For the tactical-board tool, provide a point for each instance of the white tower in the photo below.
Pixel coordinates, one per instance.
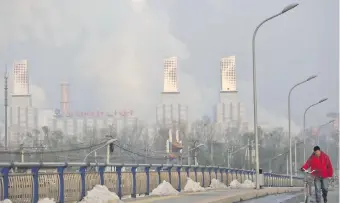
(20, 78)
(228, 74)
(170, 75)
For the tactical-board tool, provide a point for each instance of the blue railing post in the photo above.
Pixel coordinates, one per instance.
(179, 178)
(169, 173)
(202, 177)
(4, 172)
(147, 173)
(101, 170)
(209, 171)
(231, 174)
(35, 173)
(195, 171)
(241, 175)
(134, 182)
(61, 184)
(252, 176)
(216, 176)
(221, 172)
(119, 182)
(82, 171)
(187, 170)
(271, 180)
(227, 176)
(158, 169)
(236, 175)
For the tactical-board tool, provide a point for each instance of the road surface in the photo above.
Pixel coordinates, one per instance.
(201, 197)
(333, 197)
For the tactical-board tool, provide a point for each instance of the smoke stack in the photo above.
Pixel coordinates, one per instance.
(64, 103)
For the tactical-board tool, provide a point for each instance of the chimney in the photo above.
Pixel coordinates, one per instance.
(64, 103)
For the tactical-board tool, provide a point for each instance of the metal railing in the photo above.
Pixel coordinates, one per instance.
(34, 180)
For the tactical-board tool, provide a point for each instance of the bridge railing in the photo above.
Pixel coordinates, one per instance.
(54, 180)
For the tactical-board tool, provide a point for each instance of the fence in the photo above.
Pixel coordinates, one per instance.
(33, 183)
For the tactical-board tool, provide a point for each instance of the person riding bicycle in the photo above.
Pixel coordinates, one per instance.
(320, 162)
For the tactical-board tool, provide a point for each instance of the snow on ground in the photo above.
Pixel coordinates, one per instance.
(235, 184)
(246, 184)
(193, 186)
(100, 194)
(46, 200)
(164, 189)
(6, 201)
(217, 184)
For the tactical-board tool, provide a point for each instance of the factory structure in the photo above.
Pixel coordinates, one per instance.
(24, 119)
(171, 112)
(230, 111)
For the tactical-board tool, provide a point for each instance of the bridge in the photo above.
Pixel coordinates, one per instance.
(69, 182)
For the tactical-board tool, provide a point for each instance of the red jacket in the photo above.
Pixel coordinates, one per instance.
(321, 164)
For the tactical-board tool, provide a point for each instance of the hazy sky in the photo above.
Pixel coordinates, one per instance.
(112, 51)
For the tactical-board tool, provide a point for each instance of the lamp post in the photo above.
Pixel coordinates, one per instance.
(195, 155)
(320, 126)
(107, 144)
(287, 8)
(289, 133)
(304, 125)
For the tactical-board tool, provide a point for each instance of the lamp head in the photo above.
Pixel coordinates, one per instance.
(289, 7)
(311, 77)
(322, 100)
(331, 121)
(111, 141)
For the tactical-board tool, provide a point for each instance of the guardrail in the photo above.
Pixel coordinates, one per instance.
(64, 186)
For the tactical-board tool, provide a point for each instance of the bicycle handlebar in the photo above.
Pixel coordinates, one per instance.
(306, 171)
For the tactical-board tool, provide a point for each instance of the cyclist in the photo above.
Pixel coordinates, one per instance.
(320, 162)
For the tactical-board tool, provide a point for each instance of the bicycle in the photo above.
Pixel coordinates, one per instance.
(308, 180)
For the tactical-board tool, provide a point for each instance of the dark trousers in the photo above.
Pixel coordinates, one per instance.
(321, 187)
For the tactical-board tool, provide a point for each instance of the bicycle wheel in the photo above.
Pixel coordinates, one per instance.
(306, 199)
(306, 193)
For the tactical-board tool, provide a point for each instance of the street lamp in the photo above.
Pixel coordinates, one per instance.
(304, 125)
(289, 134)
(287, 8)
(107, 144)
(320, 126)
(195, 158)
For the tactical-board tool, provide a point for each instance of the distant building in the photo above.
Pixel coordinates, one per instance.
(230, 111)
(171, 111)
(170, 114)
(20, 78)
(170, 75)
(21, 115)
(228, 74)
(80, 123)
(65, 94)
(20, 92)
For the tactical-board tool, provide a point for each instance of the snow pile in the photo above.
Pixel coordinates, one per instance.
(216, 184)
(164, 189)
(46, 200)
(235, 184)
(247, 184)
(6, 201)
(193, 186)
(100, 194)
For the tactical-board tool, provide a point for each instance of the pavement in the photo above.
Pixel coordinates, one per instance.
(215, 196)
(333, 197)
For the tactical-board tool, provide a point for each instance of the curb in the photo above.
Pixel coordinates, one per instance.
(243, 196)
(297, 198)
